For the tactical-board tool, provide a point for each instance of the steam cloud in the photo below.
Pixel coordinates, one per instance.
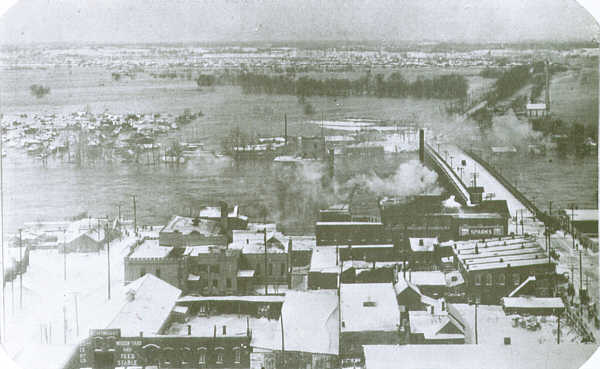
(411, 178)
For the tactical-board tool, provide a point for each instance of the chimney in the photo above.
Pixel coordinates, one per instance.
(443, 306)
(224, 220)
(189, 330)
(507, 341)
(224, 330)
(422, 145)
(476, 249)
(432, 310)
(141, 334)
(421, 243)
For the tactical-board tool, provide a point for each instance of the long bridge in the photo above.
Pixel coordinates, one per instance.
(455, 166)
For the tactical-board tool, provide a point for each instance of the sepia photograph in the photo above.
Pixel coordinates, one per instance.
(299, 184)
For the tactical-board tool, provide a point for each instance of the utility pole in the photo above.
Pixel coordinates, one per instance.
(282, 342)
(265, 241)
(550, 207)
(65, 254)
(134, 217)
(65, 324)
(21, 269)
(108, 255)
(572, 227)
(476, 338)
(558, 328)
(3, 331)
(75, 297)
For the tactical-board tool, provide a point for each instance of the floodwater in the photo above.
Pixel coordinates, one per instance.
(34, 192)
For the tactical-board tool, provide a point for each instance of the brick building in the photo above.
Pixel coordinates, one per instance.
(493, 268)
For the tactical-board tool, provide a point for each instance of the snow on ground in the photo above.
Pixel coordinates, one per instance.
(49, 300)
(493, 325)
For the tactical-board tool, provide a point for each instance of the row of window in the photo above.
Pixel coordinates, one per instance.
(169, 355)
(282, 270)
(488, 279)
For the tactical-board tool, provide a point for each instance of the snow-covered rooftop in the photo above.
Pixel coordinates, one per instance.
(531, 302)
(426, 278)
(498, 356)
(150, 249)
(423, 244)
(369, 307)
(148, 303)
(310, 320)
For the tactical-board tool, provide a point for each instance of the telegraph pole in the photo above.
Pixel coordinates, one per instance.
(134, 217)
(21, 270)
(3, 331)
(476, 338)
(572, 227)
(558, 329)
(64, 254)
(108, 255)
(265, 241)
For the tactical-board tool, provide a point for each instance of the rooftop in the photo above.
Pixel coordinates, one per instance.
(324, 260)
(499, 253)
(538, 106)
(497, 356)
(369, 307)
(186, 225)
(582, 215)
(435, 326)
(148, 303)
(150, 249)
(422, 244)
(429, 278)
(530, 302)
(311, 321)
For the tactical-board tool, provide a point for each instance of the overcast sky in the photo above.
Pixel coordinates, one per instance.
(272, 20)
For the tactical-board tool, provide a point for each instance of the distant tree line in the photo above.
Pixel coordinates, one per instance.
(448, 86)
(39, 91)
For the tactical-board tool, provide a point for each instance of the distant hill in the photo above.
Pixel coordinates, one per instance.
(127, 21)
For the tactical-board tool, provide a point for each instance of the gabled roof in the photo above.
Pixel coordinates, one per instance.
(311, 321)
(148, 303)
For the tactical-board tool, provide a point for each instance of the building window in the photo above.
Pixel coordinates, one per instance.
(202, 267)
(214, 269)
(202, 308)
(237, 354)
(158, 272)
(257, 269)
(215, 283)
(488, 279)
(283, 268)
(142, 272)
(219, 351)
(501, 279)
(516, 279)
(228, 281)
(478, 279)
(202, 355)
(270, 269)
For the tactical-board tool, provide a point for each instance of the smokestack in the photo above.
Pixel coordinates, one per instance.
(189, 330)
(422, 145)
(547, 72)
